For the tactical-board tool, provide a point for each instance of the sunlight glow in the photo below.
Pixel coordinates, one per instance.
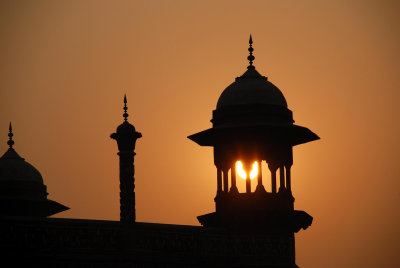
(254, 171)
(243, 174)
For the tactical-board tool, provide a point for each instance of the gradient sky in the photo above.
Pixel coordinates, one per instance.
(65, 65)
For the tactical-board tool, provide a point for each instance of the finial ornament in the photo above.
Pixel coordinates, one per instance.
(125, 115)
(10, 142)
(251, 57)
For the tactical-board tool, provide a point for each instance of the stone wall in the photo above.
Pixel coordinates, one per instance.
(90, 243)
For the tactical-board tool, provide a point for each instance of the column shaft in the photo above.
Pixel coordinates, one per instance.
(273, 178)
(226, 180)
(288, 182)
(219, 180)
(260, 187)
(273, 181)
(282, 178)
(234, 188)
(259, 174)
(127, 186)
(248, 183)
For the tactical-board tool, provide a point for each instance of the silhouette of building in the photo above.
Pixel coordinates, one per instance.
(22, 191)
(251, 124)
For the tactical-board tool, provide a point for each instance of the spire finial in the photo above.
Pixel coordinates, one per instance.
(125, 115)
(10, 142)
(251, 57)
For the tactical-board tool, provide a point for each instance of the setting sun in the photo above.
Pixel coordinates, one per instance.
(243, 174)
(334, 65)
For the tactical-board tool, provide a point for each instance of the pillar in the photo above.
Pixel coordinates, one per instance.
(248, 185)
(288, 182)
(260, 186)
(226, 180)
(273, 168)
(219, 180)
(282, 178)
(127, 186)
(234, 188)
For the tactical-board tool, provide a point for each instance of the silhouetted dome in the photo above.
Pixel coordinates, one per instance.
(251, 110)
(251, 88)
(15, 168)
(126, 127)
(22, 191)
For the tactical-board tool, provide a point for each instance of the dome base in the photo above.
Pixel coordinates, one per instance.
(29, 207)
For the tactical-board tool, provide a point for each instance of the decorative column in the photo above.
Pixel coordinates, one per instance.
(248, 182)
(226, 180)
(273, 169)
(126, 137)
(288, 182)
(282, 178)
(219, 180)
(288, 164)
(234, 188)
(127, 186)
(260, 186)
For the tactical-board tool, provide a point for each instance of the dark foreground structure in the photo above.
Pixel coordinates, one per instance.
(251, 125)
(90, 243)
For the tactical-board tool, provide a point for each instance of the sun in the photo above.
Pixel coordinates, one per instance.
(243, 174)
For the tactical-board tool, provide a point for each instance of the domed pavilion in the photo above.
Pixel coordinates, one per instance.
(252, 124)
(22, 191)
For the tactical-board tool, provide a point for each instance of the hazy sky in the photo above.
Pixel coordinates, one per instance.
(65, 65)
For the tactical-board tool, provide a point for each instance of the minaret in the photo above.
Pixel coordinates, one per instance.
(126, 137)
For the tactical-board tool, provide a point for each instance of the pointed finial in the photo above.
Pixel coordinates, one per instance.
(125, 115)
(10, 142)
(251, 57)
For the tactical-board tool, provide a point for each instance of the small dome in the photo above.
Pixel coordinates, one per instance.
(22, 191)
(251, 88)
(15, 168)
(126, 127)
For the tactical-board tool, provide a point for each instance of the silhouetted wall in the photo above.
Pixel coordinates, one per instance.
(91, 243)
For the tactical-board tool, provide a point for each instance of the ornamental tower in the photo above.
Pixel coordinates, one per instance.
(126, 137)
(252, 124)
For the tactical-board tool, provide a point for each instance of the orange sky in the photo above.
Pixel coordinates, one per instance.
(65, 65)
